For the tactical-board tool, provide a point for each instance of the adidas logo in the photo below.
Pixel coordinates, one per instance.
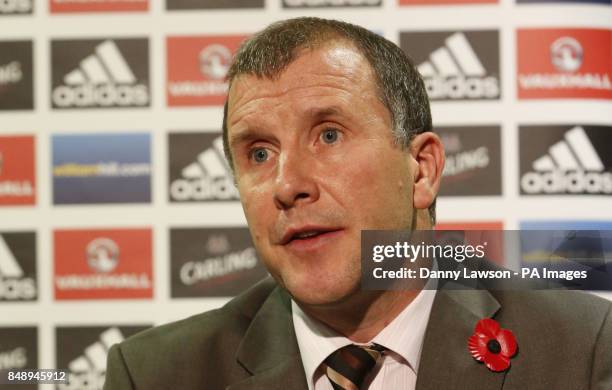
(15, 6)
(329, 3)
(103, 79)
(572, 165)
(13, 284)
(455, 72)
(88, 370)
(10, 73)
(207, 178)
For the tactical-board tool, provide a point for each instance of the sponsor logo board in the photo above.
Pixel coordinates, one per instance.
(62, 6)
(102, 168)
(565, 160)
(17, 170)
(198, 170)
(197, 67)
(103, 264)
(16, 7)
(330, 3)
(19, 350)
(83, 351)
(473, 161)
(16, 75)
(456, 65)
(570, 245)
(212, 262)
(18, 267)
(565, 1)
(100, 73)
(447, 2)
(564, 63)
(211, 4)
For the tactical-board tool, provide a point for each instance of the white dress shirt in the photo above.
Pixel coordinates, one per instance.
(403, 338)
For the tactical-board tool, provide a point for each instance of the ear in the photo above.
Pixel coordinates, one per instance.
(428, 152)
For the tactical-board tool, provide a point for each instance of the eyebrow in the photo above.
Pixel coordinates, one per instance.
(250, 134)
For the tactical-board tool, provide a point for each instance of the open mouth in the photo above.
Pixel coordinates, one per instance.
(308, 236)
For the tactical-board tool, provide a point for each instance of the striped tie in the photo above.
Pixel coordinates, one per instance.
(348, 367)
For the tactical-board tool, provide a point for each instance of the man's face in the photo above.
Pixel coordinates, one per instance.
(315, 164)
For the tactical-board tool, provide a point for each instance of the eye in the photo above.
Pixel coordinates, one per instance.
(259, 155)
(329, 136)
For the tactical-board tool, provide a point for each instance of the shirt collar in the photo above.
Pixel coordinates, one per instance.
(404, 335)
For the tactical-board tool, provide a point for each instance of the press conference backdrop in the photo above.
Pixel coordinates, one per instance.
(117, 210)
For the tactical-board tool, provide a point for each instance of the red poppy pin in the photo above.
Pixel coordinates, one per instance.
(492, 345)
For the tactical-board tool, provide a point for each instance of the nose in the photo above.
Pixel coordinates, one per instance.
(295, 182)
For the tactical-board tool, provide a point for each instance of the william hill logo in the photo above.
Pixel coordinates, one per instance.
(456, 66)
(558, 160)
(574, 63)
(109, 73)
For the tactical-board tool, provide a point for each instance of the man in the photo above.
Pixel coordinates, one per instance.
(328, 130)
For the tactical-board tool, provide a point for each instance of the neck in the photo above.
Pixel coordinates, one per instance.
(364, 315)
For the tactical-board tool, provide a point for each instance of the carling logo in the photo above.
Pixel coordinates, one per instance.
(17, 170)
(212, 4)
(19, 350)
(83, 350)
(565, 160)
(15, 7)
(473, 160)
(100, 73)
(102, 168)
(330, 3)
(103, 264)
(61, 6)
(197, 67)
(432, 2)
(198, 169)
(16, 79)
(564, 63)
(18, 266)
(212, 262)
(456, 65)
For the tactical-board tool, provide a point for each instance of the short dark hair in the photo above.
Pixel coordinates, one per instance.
(400, 86)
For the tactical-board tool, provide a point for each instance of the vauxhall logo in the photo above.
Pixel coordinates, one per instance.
(110, 73)
(570, 165)
(456, 66)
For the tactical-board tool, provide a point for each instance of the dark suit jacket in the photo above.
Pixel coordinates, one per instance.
(564, 338)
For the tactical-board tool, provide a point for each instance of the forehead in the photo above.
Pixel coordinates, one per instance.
(335, 69)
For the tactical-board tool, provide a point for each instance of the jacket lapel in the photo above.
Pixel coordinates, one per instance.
(269, 349)
(445, 360)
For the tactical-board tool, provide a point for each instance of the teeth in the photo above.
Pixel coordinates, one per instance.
(306, 234)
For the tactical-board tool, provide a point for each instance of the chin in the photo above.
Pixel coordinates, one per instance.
(315, 293)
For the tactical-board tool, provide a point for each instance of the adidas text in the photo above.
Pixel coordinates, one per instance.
(14, 6)
(101, 95)
(91, 380)
(462, 87)
(323, 3)
(11, 72)
(13, 359)
(16, 289)
(556, 182)
(221, 188)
